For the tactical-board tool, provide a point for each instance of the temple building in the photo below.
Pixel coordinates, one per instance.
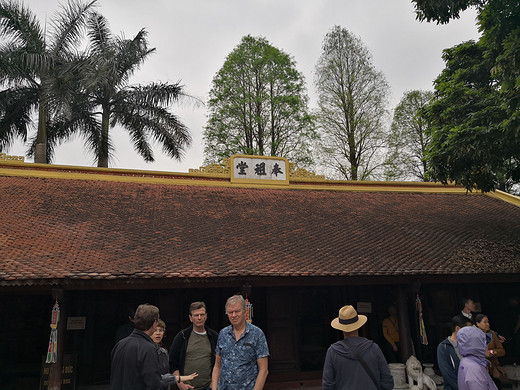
(102, 241)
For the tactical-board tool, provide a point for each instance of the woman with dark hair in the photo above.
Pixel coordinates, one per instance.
(495, 349)
(164, 365)
(158, 336)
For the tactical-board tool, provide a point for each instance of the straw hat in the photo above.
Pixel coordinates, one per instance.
(348, 319)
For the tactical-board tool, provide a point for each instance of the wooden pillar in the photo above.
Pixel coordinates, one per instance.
(405, 335)
(282, 342)
(55, 368)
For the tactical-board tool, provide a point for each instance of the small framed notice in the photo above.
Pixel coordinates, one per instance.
(364, 307)
(76, 323)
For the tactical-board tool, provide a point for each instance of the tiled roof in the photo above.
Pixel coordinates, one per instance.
(56, 230)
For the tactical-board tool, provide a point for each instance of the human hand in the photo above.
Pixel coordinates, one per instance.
(185, 378)
(184, 386)
(501, 338)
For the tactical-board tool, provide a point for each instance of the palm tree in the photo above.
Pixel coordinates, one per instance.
(103, 98)
(30, 59)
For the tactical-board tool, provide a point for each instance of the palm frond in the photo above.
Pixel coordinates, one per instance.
(173, 135)
(162, 94)
(65, 86)
(68, 25)
(12, 69)
(143, 117)
(63, 128)
(16, 107)
(99, 34)
(19, 25)
(130, 54)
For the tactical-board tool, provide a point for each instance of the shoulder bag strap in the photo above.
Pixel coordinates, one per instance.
(361, 361)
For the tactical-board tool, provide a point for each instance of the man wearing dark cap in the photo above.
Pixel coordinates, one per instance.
(355, 362)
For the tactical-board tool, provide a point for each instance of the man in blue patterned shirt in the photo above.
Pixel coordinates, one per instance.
(241, 353)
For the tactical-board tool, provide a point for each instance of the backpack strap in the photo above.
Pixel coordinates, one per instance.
(354, 350)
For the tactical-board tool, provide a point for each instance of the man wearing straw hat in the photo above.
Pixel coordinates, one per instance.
(355, 362)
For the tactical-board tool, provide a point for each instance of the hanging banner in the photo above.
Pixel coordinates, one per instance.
(249, 311)
(52, 351)
(422, 327)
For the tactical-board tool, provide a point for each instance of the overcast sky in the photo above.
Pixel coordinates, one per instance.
(193, 37)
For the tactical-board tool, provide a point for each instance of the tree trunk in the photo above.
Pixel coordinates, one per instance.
(103, 142)
(40, 154)
(404, 325)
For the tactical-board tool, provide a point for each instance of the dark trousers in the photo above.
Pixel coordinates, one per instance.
(391, 355)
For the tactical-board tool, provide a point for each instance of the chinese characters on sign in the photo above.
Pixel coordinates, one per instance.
(259, 168)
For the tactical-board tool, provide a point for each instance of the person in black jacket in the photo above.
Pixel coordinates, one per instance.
(193, 349)
(135, 361)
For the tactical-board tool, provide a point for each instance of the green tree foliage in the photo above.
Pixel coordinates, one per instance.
(258, 106)
(100, 97)
(31, 57)
(442, 11)
(499, 21)
(481, 147)
(467, 141)
(409, 138)
(352, 101)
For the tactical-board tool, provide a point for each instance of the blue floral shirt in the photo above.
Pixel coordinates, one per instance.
(239, 368)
